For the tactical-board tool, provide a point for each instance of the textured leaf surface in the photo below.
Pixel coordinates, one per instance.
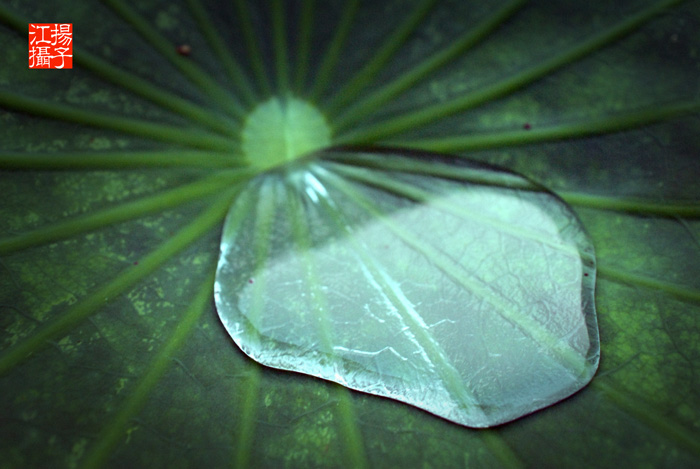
(110, 228)
(470, 297)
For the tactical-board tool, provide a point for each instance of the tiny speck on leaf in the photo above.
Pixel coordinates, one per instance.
(527, 126)
(184, 50)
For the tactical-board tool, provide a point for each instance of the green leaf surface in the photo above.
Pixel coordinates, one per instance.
(118, 175)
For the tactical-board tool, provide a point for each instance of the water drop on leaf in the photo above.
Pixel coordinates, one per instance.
(459, 288)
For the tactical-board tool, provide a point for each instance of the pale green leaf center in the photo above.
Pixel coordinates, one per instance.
(281, 130)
